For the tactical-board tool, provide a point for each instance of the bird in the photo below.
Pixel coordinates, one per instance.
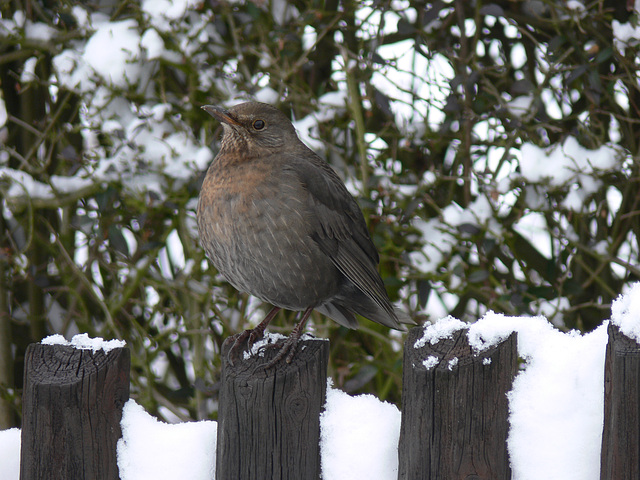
(277, 222)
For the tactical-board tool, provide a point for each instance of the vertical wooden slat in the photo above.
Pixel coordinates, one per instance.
(72, 407)
(455, 409)
(269, 419)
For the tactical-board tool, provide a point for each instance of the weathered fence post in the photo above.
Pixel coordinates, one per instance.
(620, 454)
(455, 409)
(269, 419)
(71, 412)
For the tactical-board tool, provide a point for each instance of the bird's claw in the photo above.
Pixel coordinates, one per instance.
(287, 351)
(248, 338)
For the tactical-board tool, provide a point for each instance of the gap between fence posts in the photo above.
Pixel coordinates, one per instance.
(269, 419)
(71, 410)
(455, 409)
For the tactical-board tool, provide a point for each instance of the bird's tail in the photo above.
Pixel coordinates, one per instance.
(342, 309)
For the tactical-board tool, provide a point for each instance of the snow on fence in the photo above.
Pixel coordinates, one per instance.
(454, 417)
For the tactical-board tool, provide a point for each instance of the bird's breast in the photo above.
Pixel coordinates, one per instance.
(255, 225)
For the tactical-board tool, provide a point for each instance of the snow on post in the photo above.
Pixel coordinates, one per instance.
(269, 419)
(620, 454)
(72, 404)
(454, 404)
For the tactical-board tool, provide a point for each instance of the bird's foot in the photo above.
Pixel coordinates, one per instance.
(287, 350)
(248, 338)
(290, 345)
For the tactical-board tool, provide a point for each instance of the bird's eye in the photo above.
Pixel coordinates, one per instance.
(258, 124)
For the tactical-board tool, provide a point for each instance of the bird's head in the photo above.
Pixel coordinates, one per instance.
(254, 128)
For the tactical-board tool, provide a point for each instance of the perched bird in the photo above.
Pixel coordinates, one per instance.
(277, 222)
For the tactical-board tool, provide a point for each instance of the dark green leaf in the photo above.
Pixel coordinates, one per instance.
(478, 276)
(424, 290)
(117, 240)
(492, 9)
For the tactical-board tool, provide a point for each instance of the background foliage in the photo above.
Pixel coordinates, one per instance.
(447, 120)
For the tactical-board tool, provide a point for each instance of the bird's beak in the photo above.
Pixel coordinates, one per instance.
(221, 114)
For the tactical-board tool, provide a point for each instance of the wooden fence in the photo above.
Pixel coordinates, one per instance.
(454, 415)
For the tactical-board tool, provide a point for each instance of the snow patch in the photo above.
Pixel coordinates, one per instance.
(150, 449)
(443, 328)
(115, 63)
(82, 341)
(10, 454)
(625, 313)
(358, 437)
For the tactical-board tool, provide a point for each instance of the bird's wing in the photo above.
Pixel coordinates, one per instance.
(340, 230)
